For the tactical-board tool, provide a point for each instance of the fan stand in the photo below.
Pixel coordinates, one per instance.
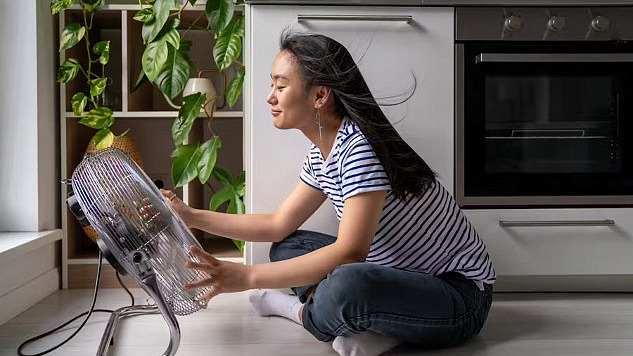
(108, 334)
(150, 285)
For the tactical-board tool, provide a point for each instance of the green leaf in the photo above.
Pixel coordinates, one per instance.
(59, 5)
(229, 44)
(103, 139)
(172, 37)
(235, 87)
(68, 70)
(154, 58)
(152, 27)
(240, 184)
(142, 78)
(78, 103)
(71, 35)
(184, 51)
(102, 49)
(208, 158)
(222, 176)
(90, 5)
(239, 244)
(97, 86)
(156, 53)
(98, 118)
(144, 15)
(221, 196)
(219, 13)
(174, 75)
(188, 112)
(236, 205)
(192, 2)
(184, 169)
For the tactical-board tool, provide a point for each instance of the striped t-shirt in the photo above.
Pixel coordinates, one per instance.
(428, 234)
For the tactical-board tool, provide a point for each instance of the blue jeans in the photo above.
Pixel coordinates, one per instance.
(432, 311)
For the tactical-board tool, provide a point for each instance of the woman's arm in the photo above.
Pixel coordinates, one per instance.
(294, 211)
(361, 215)
(359, 222)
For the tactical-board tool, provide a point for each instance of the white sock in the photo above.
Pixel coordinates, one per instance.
(275, 302)
(364, 344)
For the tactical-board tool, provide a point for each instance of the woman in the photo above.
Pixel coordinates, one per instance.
(406, 265)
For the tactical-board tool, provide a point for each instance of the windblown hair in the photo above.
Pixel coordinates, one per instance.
(324, 61)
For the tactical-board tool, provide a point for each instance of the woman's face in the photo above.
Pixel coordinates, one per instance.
(290, 106)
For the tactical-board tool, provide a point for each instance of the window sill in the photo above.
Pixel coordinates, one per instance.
(18, 243)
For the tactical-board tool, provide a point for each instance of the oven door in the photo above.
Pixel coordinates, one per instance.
(547, 124)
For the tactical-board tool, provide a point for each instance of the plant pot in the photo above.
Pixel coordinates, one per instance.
(125, 144)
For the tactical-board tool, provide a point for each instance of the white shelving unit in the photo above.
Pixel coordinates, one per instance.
(148, 116)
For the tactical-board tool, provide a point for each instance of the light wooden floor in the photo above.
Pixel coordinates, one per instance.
(519, 324)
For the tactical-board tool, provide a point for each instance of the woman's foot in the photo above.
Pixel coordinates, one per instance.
(268, 302)
(364, 344)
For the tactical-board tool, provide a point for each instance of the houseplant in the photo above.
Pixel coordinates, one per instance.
(166, 64)
(99, 117)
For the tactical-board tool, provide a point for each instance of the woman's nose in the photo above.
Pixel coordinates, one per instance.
(270, 99)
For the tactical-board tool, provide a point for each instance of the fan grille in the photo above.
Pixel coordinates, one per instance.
(111, 189)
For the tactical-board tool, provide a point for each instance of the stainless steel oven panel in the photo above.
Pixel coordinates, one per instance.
(541, 201)
(489, 201)
(554, 57)
(459, 124)
(551, 23)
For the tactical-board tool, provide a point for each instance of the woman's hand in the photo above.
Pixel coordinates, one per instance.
(183, 210)
(226, 277)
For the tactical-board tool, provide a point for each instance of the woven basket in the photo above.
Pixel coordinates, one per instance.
(125, 144)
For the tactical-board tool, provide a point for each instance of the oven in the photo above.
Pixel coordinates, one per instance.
(544, 107)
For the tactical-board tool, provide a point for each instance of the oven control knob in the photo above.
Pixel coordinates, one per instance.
(513, 23)
(600, 24)
(556, 23)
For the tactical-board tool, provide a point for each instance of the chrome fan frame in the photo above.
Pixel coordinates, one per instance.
(109, 190)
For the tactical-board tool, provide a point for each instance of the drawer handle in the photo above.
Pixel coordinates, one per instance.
(403, 18)
(519, 223)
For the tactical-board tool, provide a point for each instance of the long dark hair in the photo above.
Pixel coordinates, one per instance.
(324, 61)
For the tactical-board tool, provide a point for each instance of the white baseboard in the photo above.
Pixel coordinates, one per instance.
(29, 269)
(575, 283)
(17, 270)
(21, 298)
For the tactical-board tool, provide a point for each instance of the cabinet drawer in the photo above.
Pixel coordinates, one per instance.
(557, 250)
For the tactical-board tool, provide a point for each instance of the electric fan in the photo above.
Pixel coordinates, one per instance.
(109, 190)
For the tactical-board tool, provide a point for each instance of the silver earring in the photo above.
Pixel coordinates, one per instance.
(318, 122)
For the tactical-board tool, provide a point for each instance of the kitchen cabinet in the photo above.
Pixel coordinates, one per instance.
(389, 53)
(582, 256)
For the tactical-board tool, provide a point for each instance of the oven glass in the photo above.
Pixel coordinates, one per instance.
(547, 128)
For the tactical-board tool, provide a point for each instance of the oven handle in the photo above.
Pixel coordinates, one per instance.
(403, 18)
(553, 57)
(519, 223)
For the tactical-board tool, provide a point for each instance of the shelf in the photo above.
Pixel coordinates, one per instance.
(135, 6)
(221, 248)
(166, 114)
(149, 119)
(95, 260)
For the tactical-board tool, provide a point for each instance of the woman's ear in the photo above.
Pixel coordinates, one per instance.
(323, 95)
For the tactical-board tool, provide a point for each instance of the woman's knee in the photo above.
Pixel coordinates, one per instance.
(298, 243)
(341, 300)
(278, 250)
(349, 285)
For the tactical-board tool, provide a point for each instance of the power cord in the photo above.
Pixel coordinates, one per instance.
(92, 309)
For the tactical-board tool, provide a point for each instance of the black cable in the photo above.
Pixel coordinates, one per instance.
(118, 277)
(92, 309)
